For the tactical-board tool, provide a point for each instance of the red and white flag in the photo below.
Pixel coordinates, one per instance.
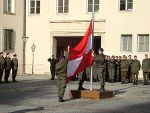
(80, 57)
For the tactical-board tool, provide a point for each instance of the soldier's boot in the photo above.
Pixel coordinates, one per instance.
(102, 89)
(61, 99)
(80, 85)
(14, 80)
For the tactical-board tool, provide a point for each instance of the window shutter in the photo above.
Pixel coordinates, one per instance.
(13, 6)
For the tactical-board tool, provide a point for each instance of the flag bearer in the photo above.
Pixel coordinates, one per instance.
(61, 72)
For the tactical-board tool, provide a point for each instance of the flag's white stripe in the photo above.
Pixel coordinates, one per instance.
(89, 44)
(73, 65)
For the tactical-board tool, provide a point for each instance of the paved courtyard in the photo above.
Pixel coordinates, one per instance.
(38, 94)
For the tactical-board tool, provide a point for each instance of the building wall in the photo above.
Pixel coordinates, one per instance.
(15, 22)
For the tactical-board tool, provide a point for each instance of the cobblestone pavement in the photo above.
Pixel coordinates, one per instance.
(38, 94)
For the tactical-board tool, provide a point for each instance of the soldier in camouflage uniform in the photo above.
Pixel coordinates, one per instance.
(53, 62)
(7, 67)
(100, 60)
(124, 69)
(129, 77)
(118, 60)
(146, 69)
(14, 67)
(111, 69)
(94, 69)
(135, 67)
(61, 73)
(2, 61)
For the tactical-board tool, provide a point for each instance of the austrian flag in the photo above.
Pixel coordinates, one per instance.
(80, 57)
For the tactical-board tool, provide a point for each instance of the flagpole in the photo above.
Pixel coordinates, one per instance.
(93, 15)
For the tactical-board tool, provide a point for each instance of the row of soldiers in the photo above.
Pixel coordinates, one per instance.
(122, 69)
(6, 64)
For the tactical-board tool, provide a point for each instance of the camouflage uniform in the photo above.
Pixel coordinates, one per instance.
(124, 70)
(146, 69)
(118, 70)
(2, 62)
(61, 72)
(7, 68)
(53, 62)
(135, 67)
(111, 70)
(14, 68)
(100, 60)
(129, 77)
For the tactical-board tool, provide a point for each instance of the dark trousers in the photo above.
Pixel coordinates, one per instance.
(52, 69)
(1, 74)
(14, 74)
(7, 73)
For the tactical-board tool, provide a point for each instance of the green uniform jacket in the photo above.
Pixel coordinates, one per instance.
(146, 65)
(8, 63)
(135, 66)
(100, 61)
(124, 65)
(14, 63)
(61, 67)
(2, 62)
(111, 64)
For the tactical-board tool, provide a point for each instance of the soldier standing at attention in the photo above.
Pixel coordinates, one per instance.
(53, 62)
(135, 67)
(61, 73)
(111, 69)
(100, 60)
(2, 61)
(14, 67)
(117, 68)
(146, 69)
(7, 67)
(129, 77)
(124, 69)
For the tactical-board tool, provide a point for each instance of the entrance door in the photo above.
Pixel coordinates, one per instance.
(63, 42)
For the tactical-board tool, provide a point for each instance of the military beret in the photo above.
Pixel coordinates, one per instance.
(129, 55)
(1, 52)
(146, 55)
(15, 55)
(135, 56)
(7, 53)
(101, 49)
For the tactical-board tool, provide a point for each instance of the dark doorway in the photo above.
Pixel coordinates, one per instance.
(63, 42)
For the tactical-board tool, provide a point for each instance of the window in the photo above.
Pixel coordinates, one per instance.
(9, 36)
(126, 42)
(126, 5)
(96, 5)
(62, 6)
(143, 43)
(34, 6)
(9, 6)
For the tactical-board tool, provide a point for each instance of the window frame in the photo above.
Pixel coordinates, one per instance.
(126, 6)
(129, 36)
(13, 40)
(94, 7)
(12, 7)
(138, 44)
(35, 7)
(63, 12)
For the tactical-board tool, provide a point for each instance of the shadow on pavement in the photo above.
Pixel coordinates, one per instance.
(12, 93)
(28, 110)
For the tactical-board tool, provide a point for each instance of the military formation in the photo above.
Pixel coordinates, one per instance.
(6, 65)
(104, 69)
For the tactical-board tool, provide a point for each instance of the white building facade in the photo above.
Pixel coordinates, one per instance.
(121, 27)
